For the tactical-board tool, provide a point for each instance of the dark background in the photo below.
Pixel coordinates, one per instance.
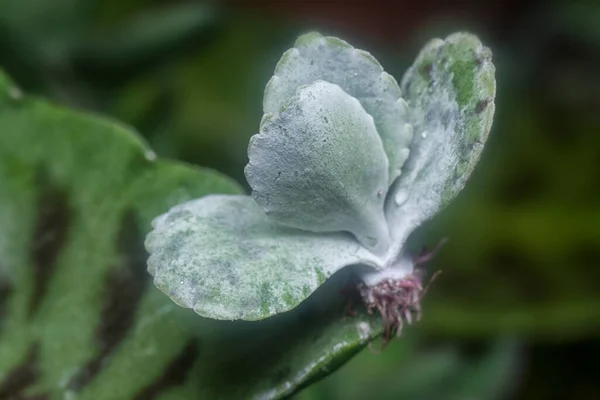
(522, 268)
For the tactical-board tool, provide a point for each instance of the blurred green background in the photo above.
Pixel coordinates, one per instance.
(516, 313)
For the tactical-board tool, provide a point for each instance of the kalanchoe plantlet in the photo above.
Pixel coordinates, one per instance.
(346, 164)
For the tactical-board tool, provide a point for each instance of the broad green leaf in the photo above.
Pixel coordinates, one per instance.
(224, 258)
(319, 166)
(450, 90)
(77, 307)
(359, 74)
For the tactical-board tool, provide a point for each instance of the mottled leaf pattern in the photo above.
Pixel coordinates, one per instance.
(450, 90)
(223, 257)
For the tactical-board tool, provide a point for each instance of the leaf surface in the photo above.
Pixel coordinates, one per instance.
(319, 165)
(359, 74)
(450, 90)
(223, 257)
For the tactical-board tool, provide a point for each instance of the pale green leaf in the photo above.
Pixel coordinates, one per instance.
(223, 257)
(359, 74)
(319, 165)
(450, 89)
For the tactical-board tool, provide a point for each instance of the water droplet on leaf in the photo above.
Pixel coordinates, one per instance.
(401, 197)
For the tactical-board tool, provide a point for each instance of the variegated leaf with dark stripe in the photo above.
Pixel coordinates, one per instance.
(79, 316)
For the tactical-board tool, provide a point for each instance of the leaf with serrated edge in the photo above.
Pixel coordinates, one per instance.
(319, 166)
(359, 74)
(450, 89)
(224, 258)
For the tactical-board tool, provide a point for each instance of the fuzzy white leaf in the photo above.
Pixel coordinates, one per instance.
(450, 89)
(356, 71)
(223, 257)
(319, 165)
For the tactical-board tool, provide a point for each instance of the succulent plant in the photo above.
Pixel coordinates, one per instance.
(346, 165)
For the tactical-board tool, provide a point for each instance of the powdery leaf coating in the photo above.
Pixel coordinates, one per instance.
(223, 257)
(356, 71)
(319, 165)
(450, 89)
